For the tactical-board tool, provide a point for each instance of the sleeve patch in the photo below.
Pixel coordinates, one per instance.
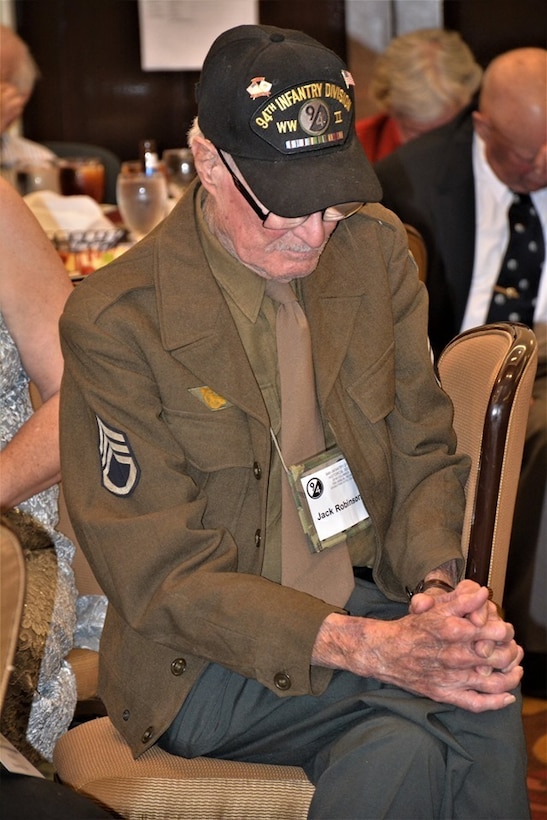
(119, 467)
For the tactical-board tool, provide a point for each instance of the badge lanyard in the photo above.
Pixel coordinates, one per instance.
(327, 498)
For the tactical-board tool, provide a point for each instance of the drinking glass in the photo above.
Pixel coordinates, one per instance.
(179, 169)
(82, 175)
(142, 201)
(131, 166)
(42, 175)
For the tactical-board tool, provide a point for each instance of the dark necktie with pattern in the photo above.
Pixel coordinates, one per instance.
(516, 290)
(328, 574)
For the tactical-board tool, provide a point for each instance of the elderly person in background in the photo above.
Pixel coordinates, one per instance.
(18, 74)
(422, 80)
(460, 185)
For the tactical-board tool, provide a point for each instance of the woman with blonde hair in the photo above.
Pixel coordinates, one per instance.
(422, 80)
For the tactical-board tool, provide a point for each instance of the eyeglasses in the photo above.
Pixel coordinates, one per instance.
(274, 222)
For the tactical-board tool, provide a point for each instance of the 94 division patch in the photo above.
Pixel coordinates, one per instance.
(119, 467)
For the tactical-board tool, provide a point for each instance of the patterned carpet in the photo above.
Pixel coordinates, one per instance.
(534, 714)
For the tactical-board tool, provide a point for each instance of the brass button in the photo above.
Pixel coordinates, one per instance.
(178, 666)
(147, 734)
(257, 470)
(282, 681)
(258, 538)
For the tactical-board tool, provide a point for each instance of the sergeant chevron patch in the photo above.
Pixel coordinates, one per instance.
(120, 470)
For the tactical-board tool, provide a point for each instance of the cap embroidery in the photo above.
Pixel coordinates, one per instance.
(259, 87)
(307, 116)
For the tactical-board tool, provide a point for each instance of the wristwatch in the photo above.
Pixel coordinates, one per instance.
(431, 583)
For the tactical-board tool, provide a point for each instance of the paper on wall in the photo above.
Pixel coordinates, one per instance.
(177, 34)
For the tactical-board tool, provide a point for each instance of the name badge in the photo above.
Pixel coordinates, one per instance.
(328, 500)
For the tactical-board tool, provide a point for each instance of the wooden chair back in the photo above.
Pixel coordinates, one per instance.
(417, 248)
(488, 372)
(12, 589)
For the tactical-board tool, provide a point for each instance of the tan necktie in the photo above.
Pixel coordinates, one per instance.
(327, 575)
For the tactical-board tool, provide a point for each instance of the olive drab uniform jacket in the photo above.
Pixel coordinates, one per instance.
(167, 492)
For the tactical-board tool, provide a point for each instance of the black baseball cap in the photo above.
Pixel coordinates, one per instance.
(283, 106)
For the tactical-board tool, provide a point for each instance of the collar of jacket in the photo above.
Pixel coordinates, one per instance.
(196, 324)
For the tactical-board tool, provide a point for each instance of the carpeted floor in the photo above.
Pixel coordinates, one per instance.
(534, 714)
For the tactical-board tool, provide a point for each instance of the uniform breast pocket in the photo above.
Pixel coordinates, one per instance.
(212, 440)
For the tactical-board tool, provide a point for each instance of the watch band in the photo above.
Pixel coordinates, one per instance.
(432, 583)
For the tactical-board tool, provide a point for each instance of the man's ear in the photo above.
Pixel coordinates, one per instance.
(481, 124)
(207, 162)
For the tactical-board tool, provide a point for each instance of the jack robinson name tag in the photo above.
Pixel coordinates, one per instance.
(327, 498)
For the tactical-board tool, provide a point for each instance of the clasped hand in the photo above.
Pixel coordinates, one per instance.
(452, 647)
(478, 640)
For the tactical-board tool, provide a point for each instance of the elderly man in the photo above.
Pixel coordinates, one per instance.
(460, 186)
(258, 535)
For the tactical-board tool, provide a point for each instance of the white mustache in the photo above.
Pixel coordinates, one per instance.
(283, 244)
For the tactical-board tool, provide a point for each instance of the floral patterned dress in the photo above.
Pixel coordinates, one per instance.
(49, 618)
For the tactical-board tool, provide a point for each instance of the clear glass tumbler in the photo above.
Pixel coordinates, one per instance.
(179, 169)
(142, 201)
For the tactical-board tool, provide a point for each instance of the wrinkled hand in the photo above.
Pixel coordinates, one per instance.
(12, 103)
(486, 612)
(432, 651)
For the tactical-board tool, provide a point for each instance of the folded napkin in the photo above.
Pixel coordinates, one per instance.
(66, 213)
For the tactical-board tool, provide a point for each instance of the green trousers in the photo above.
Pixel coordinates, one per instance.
(372, 750)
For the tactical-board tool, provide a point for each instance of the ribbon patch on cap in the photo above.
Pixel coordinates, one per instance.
(305, 117)
(120, 471)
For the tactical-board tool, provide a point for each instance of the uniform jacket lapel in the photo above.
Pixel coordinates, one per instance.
(331, 314)
(198, 330)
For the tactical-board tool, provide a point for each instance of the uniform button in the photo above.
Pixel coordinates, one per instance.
(258, 538)
(282, 681)
(257, 470)
(178, 666)
(125, 714)
(147, 734)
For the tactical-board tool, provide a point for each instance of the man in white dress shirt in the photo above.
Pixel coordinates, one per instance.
(455, 185)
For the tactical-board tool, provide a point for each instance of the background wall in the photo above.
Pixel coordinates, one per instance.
(93, 89)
